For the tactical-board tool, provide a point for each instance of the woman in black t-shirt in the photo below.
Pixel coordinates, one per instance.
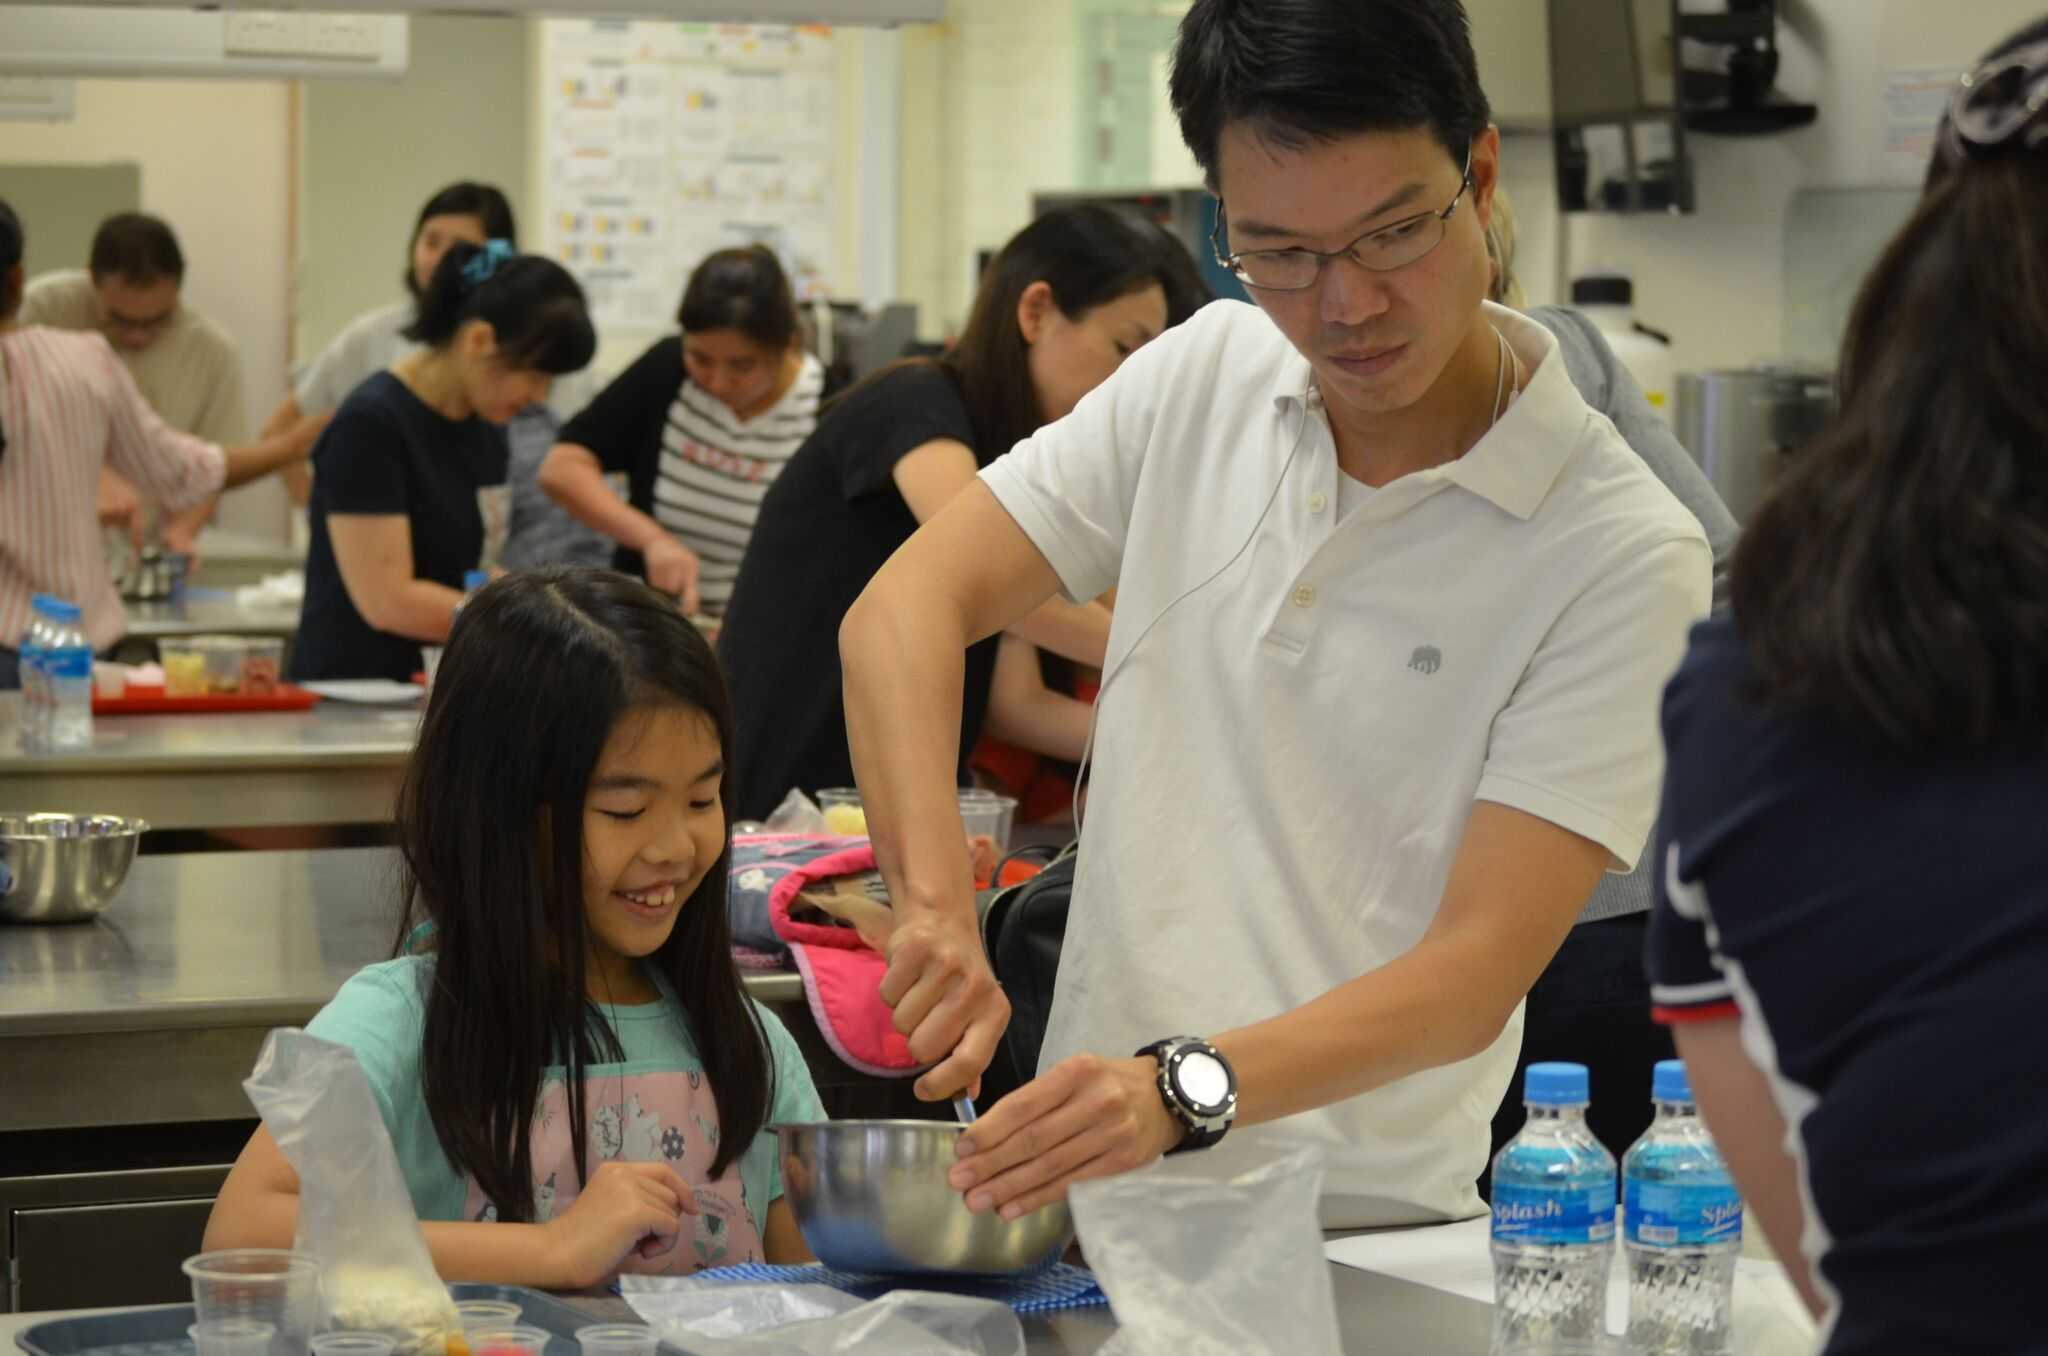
(1851, 927)
(1067, 300)
(701, 424)
(409, 491)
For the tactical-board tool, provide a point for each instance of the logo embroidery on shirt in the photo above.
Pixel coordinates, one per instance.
(1426, 659)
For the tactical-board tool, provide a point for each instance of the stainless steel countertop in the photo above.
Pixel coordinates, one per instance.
(204, 940)
(1375, 1314)
(332, 734)
(210, 613)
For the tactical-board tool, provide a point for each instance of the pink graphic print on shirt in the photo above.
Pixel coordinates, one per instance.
(643, 1118)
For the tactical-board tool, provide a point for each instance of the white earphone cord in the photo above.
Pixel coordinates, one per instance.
(1102, 692)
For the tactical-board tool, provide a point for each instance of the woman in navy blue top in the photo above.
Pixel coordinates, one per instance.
(1851, 933)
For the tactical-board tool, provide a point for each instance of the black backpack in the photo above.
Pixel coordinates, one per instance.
(1023, 928)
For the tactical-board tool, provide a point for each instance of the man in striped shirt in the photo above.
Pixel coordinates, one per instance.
(68, 408)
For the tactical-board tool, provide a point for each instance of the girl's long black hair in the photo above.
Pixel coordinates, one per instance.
(1898, 576)
(539, 669)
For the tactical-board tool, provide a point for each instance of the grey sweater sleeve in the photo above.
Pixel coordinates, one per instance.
(1607, 387)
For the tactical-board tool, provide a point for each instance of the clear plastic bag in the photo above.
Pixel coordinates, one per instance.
(355, 1215)
(1197, 1266)
(816, 1320)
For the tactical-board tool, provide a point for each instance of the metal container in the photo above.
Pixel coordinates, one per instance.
(872, 1196)
(63, 868)
(1741, 425)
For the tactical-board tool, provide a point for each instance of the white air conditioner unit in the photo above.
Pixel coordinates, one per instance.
(104, 40)
(856, 12)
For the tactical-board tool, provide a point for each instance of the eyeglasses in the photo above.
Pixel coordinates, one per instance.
(1382, 249)
(128, 324)
(2002, 100)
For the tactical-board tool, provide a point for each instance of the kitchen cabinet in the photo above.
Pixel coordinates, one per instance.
(1512, 41)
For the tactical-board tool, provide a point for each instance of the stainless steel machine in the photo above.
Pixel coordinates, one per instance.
(1741, 424)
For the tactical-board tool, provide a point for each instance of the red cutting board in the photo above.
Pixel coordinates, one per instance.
(152, 701)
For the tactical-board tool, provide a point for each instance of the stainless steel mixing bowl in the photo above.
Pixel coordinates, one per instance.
(872, 1196)
(63, 868)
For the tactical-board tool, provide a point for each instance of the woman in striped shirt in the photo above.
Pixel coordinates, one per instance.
(701, 424)
(68, 407)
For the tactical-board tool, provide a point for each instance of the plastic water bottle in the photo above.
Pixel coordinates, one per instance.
(1682, 1222)
(35, 725)
(67, 670)
(1553, 1217)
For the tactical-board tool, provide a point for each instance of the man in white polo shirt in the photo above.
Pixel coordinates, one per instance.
(1394, 608)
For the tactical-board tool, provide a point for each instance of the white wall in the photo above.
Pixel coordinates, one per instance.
(1715, 279)
(988, 112)
(215, 158)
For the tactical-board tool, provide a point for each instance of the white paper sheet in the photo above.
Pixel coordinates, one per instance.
(1769, 1318)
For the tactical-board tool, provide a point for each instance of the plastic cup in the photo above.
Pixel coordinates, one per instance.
(110, 681)
(843, 812)
(233, 1337)
(223, 661)
(474, 1314)
(988, 818)
(617, 1339)
(184, 669)
(349, 1343)
(264, 1285)
(517, 1340)
(262, 666)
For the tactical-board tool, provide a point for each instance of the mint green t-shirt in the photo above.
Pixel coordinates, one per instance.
(653, 1106)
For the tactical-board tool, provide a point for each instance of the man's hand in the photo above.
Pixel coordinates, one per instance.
(1086, 1117)
(946, 1000)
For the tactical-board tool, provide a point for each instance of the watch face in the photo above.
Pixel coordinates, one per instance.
(1202, 1079)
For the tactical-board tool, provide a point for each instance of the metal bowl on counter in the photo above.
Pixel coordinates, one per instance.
(63, 868)
(872, 1196)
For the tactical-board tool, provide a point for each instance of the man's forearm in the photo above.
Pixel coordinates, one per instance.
(1419, 1011)
(903, 652)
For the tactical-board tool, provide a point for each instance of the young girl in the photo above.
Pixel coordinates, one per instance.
(573, 1079)
(701, 425)
(411, 489)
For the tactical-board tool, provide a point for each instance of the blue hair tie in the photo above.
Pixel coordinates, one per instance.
(479, 268)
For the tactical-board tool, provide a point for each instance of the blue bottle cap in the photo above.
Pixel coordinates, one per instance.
(1669, 1083)
(39, 601)
(1557, 1085)
(473, 580)
(63, 611)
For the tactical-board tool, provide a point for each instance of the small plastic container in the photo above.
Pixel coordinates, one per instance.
(843, 812)
(110, 681)
(517, 1340)
(474, 1314)
(224, 656)
(617, 1339)
(266, 1285)
(262, 666)
(233, 1337)
(184, 669)
(988, 818)
(352, 1343)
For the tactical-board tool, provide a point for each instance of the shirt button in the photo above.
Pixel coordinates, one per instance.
(1305, 596)
(1317, 502)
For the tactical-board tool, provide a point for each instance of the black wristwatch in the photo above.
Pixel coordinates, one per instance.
(1199, 1088)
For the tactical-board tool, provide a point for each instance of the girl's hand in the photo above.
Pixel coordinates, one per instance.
(624, 1207)
(672, 569)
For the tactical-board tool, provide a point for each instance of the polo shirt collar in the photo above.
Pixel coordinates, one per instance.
(1517, 462)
